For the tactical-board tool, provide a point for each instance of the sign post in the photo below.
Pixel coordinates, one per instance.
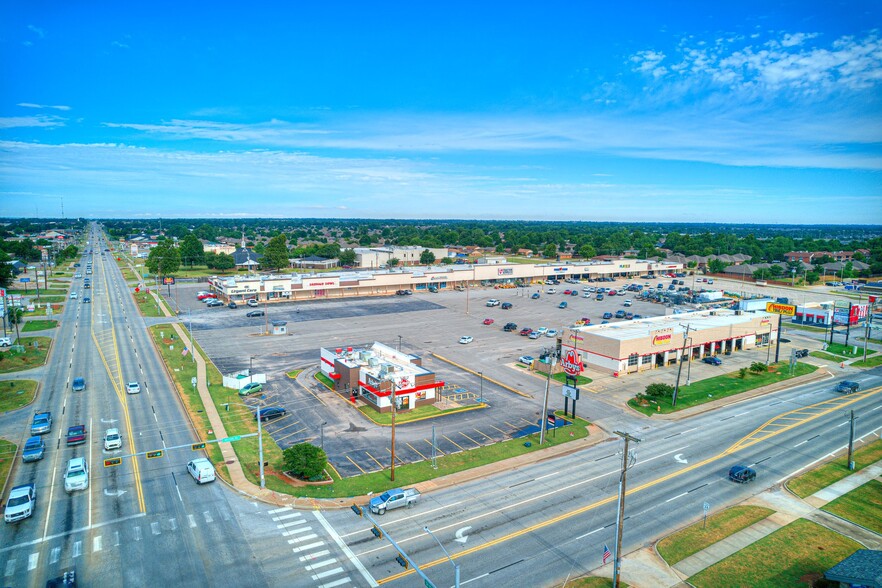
(572, 366)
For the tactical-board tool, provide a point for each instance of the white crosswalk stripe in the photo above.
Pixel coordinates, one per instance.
(154, 528)
(290, 532)
(10, 567)
(207, 516)
(33, 559)
(192, 521)
(54, 554)
(77, 548)
(312, 556)
(333, 572)
(96, 543)
(293, 515)
(335, 583)
(321, 564)
(305, 547)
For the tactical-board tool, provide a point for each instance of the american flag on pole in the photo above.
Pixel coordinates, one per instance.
(606, 553)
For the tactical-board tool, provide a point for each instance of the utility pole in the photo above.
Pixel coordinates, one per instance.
(620, 514)
(393, 429)
(851, 442)
(543, 423)
(680, 365)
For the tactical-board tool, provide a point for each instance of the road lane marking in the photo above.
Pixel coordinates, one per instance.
(293, 515)
(207, 516)
(438, 449)
(96, 543)
(356, 465)
(296, 531)
(137, 531)
(306, 547)
(346, 550)
(488, 437)
(54, 554)
(154, 528)
(335, 583)
(333, 572)
(192, 521)
(374, 458)
(676, 497)
(291, 524)
(10, 567)
(320, 564)
(469, 438)
(743, 443)
(315, 555)
(77, 549)
(415, 450)
(277, 510)
(32, 561)
(461, 448)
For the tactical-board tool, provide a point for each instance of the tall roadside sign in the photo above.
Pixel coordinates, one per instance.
(780, 310)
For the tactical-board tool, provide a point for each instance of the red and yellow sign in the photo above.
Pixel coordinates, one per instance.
(571, 363)
(662, 337)
(785, 309)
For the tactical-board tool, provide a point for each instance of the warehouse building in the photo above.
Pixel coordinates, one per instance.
(378, 374)
(651, 343)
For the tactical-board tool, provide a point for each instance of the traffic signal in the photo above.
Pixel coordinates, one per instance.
(154, 454)
(357, 510)
(113, 461)
(401, 561)
(377, 533)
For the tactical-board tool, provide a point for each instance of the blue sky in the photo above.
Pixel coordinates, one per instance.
(642, 111)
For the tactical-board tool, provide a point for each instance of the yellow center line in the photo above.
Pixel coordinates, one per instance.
(737, 446)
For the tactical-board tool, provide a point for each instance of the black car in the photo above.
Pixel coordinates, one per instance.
(506, 305)
(510, 327)
(801, 353)
(271, 412)
(846, 387)
(742, 474)
(232, 305)
(214, 303)
(254, 313)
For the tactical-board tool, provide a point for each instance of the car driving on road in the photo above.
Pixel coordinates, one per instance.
(133, 388)
(712, 360)
(21, 503)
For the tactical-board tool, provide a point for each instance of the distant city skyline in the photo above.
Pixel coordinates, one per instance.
(754, 112)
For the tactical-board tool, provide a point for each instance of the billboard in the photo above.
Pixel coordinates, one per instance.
(785, 309)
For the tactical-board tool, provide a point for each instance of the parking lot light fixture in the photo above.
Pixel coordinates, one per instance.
(251, 369)
(481, 399)
(323, 434)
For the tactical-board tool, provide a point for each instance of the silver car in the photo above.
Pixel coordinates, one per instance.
(76, 476)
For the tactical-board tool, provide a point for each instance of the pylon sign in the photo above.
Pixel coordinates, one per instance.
(785, 309)
(571, 363)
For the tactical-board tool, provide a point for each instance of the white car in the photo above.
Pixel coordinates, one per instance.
(76, 476)
(252, 303)
(551, 291)
(526, 359)
(112, 439)
(73, 295)
(20, 504)
(465, 339)
(492, 302)
(133, 388)
(551, 333)
(541, 330)
(5, 341)
(201, 470)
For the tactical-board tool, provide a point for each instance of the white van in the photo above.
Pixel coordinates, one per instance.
(201, 470)
(628, 302)
(76, 476)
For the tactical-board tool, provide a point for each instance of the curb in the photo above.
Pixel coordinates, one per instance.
(474, 373)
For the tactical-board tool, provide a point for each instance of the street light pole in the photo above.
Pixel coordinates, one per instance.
(394, 410)
(399, 342)
(481, 399)
(323, 434)
(450, 559)
(260, 444)
(250, 369)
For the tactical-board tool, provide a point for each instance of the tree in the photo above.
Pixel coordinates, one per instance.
(305, 460)
(224, 262)
(364, 240)
(550, 250)
(6, 276)
(742, 373)
(393, 262)
(659, 390)
(758, 367)
(716, 266)
(191, 249)
(276, 253)
(427, 257)
(347, 257)
(164, 259)
(812, 278)
(447, 261)
(587, 251)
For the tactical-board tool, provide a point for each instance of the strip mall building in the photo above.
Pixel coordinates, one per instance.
(293, 287)
(650, 343)
(379, 374)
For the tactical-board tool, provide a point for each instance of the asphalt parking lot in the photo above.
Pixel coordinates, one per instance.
(424, 324)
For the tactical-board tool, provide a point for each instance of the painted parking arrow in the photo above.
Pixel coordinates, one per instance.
(461, 536)
(116, 493)
(680, 459)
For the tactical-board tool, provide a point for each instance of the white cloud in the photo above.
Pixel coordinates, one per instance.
(37, 31)
(119, 44)
(11, 122)
(32, 105)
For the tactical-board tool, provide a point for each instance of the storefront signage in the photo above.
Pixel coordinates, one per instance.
(575, 337)
(571, 392)
(662, 337)
(168, 281)
(319, 283)
(438, 278)
(504, 271)
(785, 309)
(561, 269)
(571, 363)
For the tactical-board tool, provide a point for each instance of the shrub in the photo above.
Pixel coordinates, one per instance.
(659, 390)
(742, 373)
(305, 460)
(758, 367)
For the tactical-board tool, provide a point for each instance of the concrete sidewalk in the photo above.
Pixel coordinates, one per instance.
(837, 489)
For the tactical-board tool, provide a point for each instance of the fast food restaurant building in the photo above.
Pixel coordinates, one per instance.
(293, 287)
(646, 344)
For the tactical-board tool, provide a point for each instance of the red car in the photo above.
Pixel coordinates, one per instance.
(526, 331)
(76, 434)
(586, 320)
(567, 292)
(612, 292)
(206, 295)
(488, 321)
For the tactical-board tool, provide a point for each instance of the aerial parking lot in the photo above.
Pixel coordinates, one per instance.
(482, 374)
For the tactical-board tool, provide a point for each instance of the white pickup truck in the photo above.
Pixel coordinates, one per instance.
(395, 498)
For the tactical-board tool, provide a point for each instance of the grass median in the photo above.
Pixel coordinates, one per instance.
(678, 546)
(863, 506)
(822, 476)
(15, 394)
(38, 325)
(722, 386)
(8, 451)
(787, 557)
(36, 349)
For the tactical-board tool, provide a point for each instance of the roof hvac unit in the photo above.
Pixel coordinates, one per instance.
(739, 312)
(373, 361)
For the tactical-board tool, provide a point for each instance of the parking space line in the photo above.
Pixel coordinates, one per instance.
(509, 424)
(290, 435)
(373, 458)
(291, 424)
(356, 465)
(389, 451)
(482, 433)
(470, 439)
(415, 449)
(438, 449)
(500, 430)
(454, 442)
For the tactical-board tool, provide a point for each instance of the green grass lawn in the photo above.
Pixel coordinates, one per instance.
(722, 386)
(807, 328)
(407, 416)
(863, 506)
(15, 394)
(685, 542)
(591, 582)
(847, 351)
(784, 558)
(8, 451)
(39, 325)
(147, 305)
(293, 373)
(31, 357)
(871, 362)
(825, 356)
(822, 476)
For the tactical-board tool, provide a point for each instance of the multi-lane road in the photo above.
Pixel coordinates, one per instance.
(145, 522)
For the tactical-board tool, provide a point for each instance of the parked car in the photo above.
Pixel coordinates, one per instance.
(493, 302)
(79, 384)
(34, 448)
(76, 434)
(534, 335)
(510, 327)
(133, 388)
(5, 341)
(847, 387)
(551, 291)
(742, 474)
(535, 296)
(574, 293)
(214, 303)
(251, 302)
(488, 321)
(607, 315)
(526, 359)
(112, 439)
(201, 470)
(465, 339)
(254, 313)
(76, 474)
(506, 305)
(567, 292)
(629, 316)
(620, 314)
(526, 331)
(232, 304)
(551, 333)
(271, 412)
(21, 503)
(801, 353)
(712, 360)
(562, 304)
(627, 302)
(600, 297)
(541, 330)
(250, 388)
(203, 296)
